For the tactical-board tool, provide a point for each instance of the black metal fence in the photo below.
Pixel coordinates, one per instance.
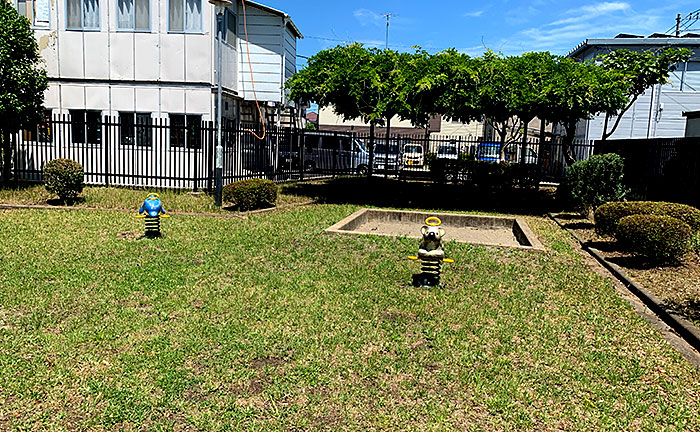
(180, 152)
(165, 153)
(659, 168)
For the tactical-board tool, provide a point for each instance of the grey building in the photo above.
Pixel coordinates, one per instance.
(658, 113)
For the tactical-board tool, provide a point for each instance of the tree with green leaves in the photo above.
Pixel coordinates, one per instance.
(579, 91)
(22, 79)
(640, 70)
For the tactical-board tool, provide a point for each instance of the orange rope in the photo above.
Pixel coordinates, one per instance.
(252, 80)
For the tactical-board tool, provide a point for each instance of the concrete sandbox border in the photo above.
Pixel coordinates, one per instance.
(522, 232)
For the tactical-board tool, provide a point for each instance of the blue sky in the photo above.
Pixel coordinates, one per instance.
(509, 26)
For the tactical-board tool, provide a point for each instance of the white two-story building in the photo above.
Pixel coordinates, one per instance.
(149, 59)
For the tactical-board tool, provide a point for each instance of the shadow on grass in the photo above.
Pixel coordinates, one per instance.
(66, 202)
(579, 225)
(604, 246)
(378, 192)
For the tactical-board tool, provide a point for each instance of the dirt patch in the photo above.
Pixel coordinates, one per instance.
(678, 285)
(263, 362)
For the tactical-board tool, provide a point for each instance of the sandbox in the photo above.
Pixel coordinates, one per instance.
(511, 232)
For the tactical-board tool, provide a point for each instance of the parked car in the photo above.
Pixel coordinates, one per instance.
(327, 152)
(413, 155)
(386, 157)
(448, 151)
(513, 153)
(488, 152)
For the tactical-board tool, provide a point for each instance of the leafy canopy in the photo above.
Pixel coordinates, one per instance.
(22, 79)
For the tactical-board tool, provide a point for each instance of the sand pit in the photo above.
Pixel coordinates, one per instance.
(486, 230)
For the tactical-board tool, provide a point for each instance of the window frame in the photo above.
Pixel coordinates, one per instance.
(133, 28)
(45, 25)
(82, 17)
(185, 127)
(86, 132)
(184, 30)
(136, 129)
(228, 12)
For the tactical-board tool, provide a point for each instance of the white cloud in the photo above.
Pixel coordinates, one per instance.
(367, 17)
(474, 14)
(589, 21)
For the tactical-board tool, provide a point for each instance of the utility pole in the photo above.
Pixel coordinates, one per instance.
(678, 25)
(388, 16)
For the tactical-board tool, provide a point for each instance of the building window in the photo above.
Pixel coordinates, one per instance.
(42, 132)
(229, 27)
(185, 16)
(185, 131)
(86, 127)
(134, 15)
(36, 11)
(135, 129)
(83, 15)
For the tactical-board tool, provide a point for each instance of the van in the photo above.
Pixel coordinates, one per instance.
(334, 153)
(413, 155)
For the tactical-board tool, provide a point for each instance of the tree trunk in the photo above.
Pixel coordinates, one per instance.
(386, 149)
(568, 142)
(605, 127)
(370, 168)
(6, 157)
(502, 153)
(523, 149)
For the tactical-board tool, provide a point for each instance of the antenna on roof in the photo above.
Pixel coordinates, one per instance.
(388, 16)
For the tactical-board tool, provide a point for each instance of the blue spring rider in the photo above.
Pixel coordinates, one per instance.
(152, 210)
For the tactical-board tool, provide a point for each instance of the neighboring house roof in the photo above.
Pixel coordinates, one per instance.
(274, 11)
(629, 40)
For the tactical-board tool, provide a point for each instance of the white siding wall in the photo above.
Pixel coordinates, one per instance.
(660, 116)
(266, 49)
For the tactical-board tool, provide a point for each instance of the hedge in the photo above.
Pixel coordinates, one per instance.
(250, 194)
(660, 238)
(609, 215)
(64, 178)
(595, 181)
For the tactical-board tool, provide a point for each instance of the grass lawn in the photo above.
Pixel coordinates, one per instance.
(129, 199)
(266, 323)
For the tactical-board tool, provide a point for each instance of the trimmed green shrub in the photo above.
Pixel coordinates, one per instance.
(608, 215)
(595, 181)
(660, 238)
(64, 178)
(250, 194)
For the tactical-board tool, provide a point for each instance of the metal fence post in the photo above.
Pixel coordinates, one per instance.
(336, 145)
(107, 142)
(302, 164)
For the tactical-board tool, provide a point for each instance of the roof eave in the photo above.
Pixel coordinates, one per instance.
(278, 13)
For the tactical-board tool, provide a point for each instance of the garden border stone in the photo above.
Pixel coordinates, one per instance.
(684, 328)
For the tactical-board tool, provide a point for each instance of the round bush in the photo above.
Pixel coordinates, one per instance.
(595, 181)
(609, 215)
(250, 194)
(660, 238)
(64, 178)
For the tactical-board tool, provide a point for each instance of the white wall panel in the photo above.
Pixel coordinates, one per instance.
(198, 57)
(72, 96)
(122, 56)
(172, 100)
(96, 56)
(198, 101)
(146, 58)
(172, 57)
(123, 99)
(97, 98)
(147, 99)
(70, 51)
